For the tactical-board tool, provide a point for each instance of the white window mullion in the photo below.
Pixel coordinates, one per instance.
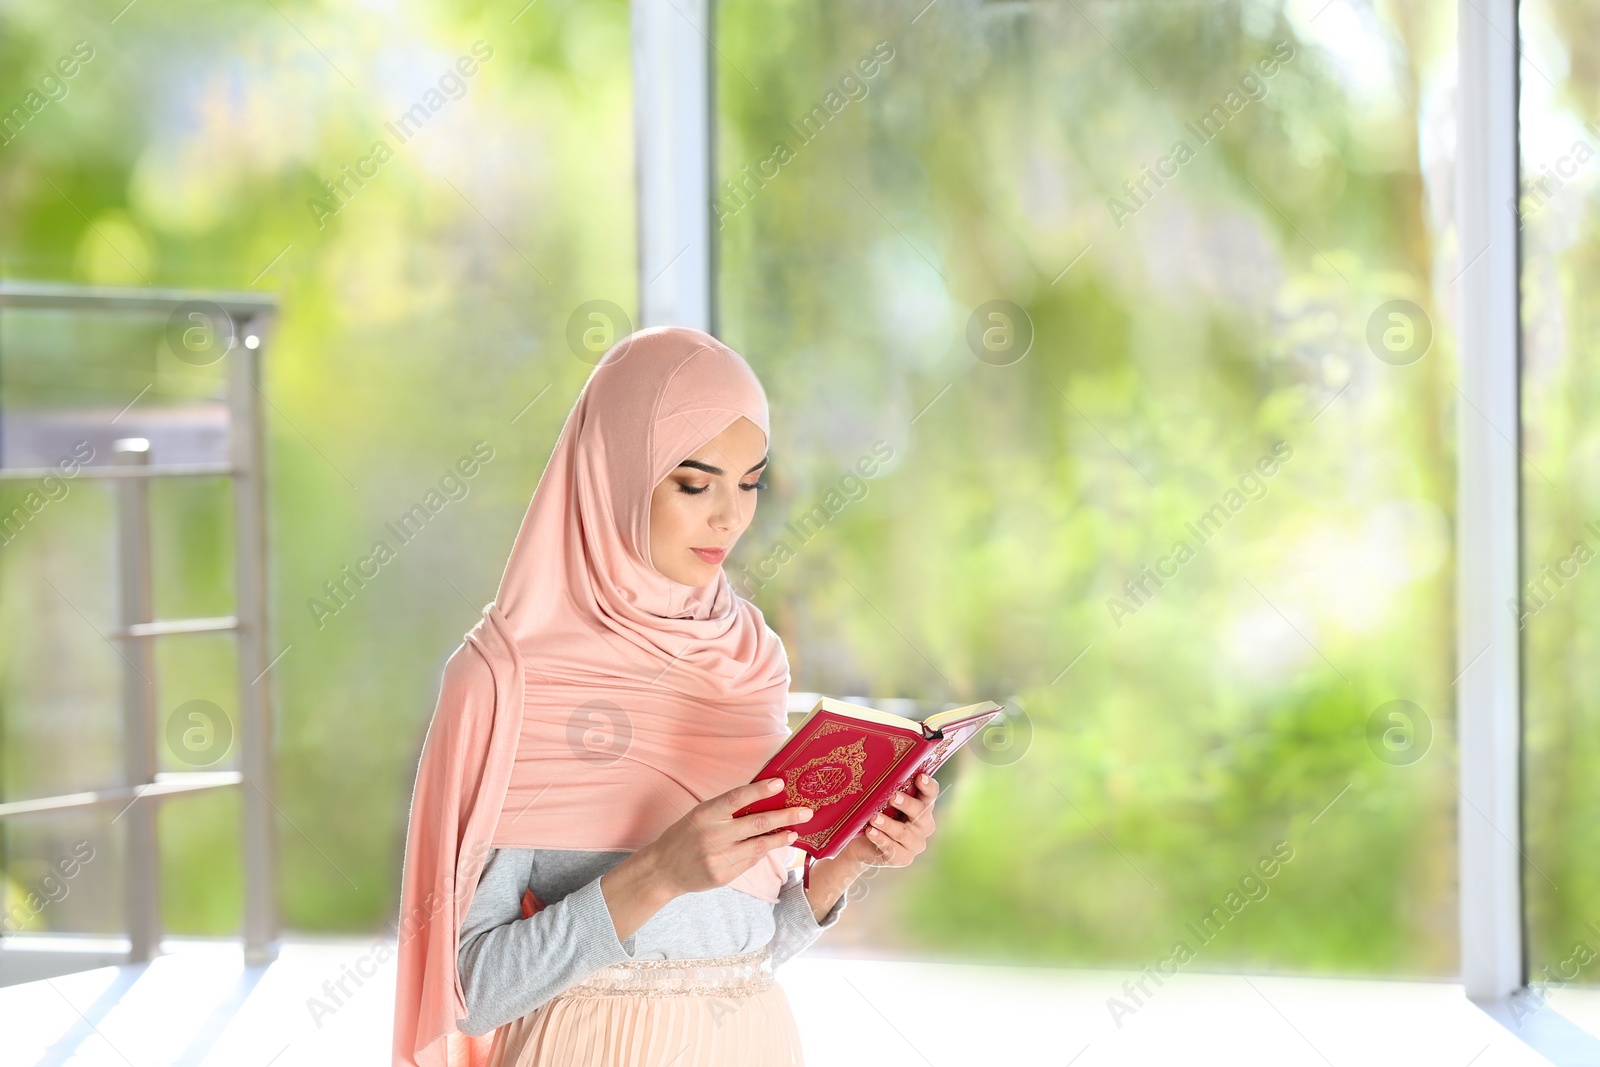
(672, 138)
(1488, 533)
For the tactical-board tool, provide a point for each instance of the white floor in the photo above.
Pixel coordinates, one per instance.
(198, 1005)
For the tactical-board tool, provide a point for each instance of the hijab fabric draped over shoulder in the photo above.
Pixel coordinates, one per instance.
(596, 701)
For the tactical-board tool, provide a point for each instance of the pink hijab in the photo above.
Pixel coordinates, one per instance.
(597, 700)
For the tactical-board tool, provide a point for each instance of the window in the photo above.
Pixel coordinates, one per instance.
(1110, 355)
(443, 199)
(1561, 511)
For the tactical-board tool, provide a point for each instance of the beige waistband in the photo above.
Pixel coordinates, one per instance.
(720, 976)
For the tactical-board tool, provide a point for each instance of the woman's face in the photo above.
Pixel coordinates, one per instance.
(701, 507)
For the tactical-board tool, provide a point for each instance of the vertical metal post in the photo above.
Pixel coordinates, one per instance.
(255, 727)
(672, 158)
(134, 605)
(1488, 519)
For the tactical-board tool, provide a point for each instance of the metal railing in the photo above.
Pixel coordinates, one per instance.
(250, 316)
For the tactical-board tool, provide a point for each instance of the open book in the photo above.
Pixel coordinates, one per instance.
(845, 761)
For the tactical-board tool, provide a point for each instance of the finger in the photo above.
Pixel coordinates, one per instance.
(901, 833)
(926, 786)
(746, 826)
(759, 846)
(739, 796)
(885, 846)
(912, 806)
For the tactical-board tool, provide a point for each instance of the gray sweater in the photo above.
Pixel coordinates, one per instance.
(510, 965)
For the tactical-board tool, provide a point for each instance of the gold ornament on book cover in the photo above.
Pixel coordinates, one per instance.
(827, 778)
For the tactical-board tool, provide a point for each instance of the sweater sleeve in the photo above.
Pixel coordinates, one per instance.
(510, 965)
(796, 924)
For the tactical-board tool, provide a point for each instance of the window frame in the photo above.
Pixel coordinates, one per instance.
(675, 112)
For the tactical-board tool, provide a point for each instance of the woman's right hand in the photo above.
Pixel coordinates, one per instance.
(708, 847)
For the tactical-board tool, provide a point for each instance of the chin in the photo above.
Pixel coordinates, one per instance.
(697, 572)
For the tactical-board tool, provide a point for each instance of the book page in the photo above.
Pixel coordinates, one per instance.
(954, 715)
(856, 711)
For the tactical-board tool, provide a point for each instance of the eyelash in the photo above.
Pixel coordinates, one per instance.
(692, 491)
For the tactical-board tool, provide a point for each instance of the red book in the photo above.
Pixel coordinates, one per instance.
(845, 761)
(531, 904)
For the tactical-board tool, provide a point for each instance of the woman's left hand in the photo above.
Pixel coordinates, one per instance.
(889, 842)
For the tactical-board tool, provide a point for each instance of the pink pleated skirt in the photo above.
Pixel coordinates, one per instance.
(726, 1011)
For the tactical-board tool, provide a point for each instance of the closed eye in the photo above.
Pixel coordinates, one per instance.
(694, 490)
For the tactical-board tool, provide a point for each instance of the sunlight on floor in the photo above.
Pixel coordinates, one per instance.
(198, 1005)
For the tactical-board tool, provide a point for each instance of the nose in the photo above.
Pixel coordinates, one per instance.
(729, 514)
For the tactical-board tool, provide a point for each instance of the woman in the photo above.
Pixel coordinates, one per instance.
(574, 895)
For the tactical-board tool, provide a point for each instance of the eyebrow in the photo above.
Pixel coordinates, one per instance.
(709, 469)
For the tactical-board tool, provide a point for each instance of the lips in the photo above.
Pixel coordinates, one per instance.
(710, 555)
